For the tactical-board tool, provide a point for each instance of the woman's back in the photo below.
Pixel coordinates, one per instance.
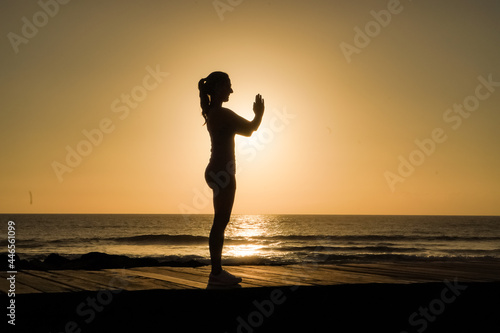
(222, 131)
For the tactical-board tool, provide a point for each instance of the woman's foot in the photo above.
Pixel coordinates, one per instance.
(224, 278)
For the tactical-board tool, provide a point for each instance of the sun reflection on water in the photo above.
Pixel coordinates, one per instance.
(248, 229)
(243, 250)
(248, 226)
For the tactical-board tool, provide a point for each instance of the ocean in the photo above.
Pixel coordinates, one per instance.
(260, 239)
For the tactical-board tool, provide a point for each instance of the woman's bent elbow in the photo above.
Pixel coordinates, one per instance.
(247, 131)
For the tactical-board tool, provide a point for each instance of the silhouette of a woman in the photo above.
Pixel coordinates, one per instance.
(223, 124)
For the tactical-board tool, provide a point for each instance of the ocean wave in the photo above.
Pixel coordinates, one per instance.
(389, 257)
(138, 240)
(96, 260)
(473, 251)
(349, 249)
(190, 239)
(383, 238)
(160, 239)
(381, 243)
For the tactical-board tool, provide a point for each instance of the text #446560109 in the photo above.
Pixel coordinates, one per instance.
(11, 278)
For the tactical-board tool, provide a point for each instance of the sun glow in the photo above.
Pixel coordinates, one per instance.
(246, 228)
(249, 250)
(335, 124)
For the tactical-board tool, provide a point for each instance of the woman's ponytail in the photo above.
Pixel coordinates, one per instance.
(204, 100)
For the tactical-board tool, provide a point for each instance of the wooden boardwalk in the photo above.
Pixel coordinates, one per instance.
(149, 278)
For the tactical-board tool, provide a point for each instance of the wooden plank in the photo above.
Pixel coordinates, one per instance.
(274, 275)
(116, 280)
(200, 275)
(312, 274)
(135, 282)
(318, 274)
(132, 281)
(258, 279)
(96, 280)
(71, 281)
(389, 274)
(190, 274)
(475, 271)
(147, 278)
(25, 289)
(307, 275)
(492, 268)
(195, 276)
(376, 272)
(429, 271)
(342, 275)
(247, 282)
(183, 284)
(20, 287)
(119, 280)
(30, 278)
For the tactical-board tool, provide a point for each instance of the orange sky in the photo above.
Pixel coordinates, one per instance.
(372, 107)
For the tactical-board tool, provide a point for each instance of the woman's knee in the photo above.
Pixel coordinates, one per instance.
(220, 222)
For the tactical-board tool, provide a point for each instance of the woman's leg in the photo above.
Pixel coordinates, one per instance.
(223, 205)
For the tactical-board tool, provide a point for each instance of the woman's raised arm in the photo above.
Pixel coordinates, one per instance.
(244, 127)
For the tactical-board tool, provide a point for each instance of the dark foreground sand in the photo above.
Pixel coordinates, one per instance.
(420, 307)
